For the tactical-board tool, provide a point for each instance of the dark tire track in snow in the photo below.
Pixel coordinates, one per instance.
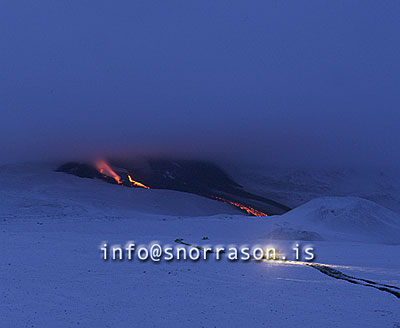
(358, 281)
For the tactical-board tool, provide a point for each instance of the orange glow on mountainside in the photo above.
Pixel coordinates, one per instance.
(136, 183)
(248, 209)
(106, 170)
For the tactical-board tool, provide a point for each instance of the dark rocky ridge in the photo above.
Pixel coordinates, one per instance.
(201, 178)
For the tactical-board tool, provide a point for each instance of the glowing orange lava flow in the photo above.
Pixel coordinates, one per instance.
(136, 183)
(106, 170)
(248, 209)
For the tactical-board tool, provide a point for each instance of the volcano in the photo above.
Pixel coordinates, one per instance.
(197, 177)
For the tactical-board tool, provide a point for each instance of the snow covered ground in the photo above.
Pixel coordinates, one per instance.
(52, 274)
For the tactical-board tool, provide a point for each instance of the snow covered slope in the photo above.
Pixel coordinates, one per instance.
(52, 273)
(36, 190)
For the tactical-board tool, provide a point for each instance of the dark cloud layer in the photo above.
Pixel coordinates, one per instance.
(282, 81)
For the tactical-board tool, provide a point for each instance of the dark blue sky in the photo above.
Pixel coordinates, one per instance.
(287, 81)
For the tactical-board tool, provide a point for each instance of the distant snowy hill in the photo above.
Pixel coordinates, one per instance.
(342, 218)
(295, 186)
